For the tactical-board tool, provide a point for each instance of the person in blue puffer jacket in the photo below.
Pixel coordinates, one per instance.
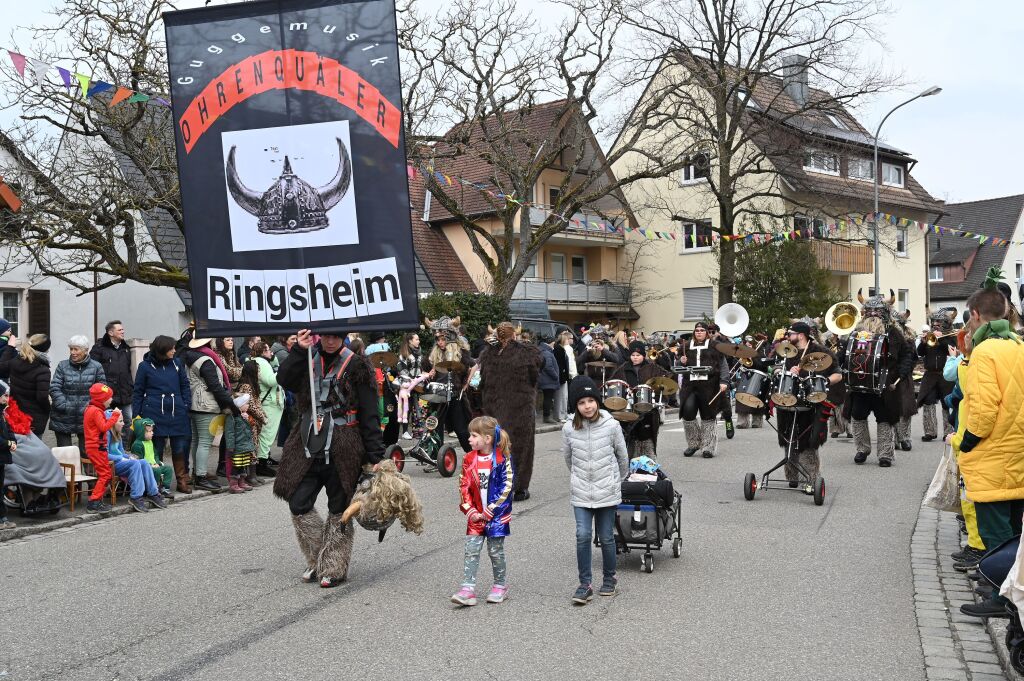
(163, 395)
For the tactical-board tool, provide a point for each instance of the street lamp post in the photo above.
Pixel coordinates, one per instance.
(934, 90)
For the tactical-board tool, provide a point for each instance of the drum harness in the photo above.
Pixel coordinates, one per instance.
(328, 405)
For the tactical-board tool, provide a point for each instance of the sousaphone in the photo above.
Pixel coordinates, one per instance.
(842, 318)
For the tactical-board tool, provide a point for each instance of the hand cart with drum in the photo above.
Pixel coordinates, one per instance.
(787, 393)
(431, 450)
(648, 516)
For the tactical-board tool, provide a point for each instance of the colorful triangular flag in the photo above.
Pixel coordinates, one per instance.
(66, 77)
(98, 87)
(124, 93)
(19, 62)
(39, 69)
(83, 82)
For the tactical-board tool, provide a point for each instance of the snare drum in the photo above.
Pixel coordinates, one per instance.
(616, 395)
(815, 388)
(786, 389)
(643, 399)
(752, 388)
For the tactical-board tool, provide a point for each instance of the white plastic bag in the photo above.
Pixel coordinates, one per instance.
(944, 491)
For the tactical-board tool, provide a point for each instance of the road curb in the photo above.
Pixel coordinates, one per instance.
(22, 532)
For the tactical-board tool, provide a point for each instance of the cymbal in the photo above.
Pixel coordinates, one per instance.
(625, 416)
(665, 384)
(736, 350)
(602, 365)
(816, 361)
(786, 349)
(383, 359)
(453, 365)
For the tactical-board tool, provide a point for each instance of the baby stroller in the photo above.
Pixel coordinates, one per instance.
(994, 567)
(649, 513)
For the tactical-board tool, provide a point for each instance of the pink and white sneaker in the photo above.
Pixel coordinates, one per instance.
(498, 594)
(465, 596)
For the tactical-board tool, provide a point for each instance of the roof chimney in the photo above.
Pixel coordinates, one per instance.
(794, 77)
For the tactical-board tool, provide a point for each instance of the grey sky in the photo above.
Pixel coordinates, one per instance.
(966, 139)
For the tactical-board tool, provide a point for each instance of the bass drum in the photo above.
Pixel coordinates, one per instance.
(786, 390)
(752, 388)
(867, 363)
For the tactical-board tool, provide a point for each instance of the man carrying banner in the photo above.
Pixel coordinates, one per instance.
(337, 438)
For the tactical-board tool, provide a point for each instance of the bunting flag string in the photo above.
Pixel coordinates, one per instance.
(748, 234)
(88, 86)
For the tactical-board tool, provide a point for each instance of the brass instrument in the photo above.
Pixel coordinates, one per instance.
(932, 339)
(748, 362)
(842, 318)
(654, 352)
(732, 319)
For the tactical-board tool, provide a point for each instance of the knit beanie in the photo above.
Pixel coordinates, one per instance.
(637, 346)
(580, 387)
(41, 342)
(242, 400)
(100, 393)
(5, 326)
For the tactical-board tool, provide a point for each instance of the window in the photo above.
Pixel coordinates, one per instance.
(38, 311)
(935, 273)
(818, 161)
(742, 93)
(695, 236)
(901, 241)
(554, 193)
(901, 299)
(531, 270)
(801, 222)
(697, 168)
(11, 309)
(1019, 272)
(579, 268)
(861, 169)
(557, 267)
(836, 121)
(892, 175)
(698, 302)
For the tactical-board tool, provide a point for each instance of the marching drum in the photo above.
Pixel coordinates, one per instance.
(643, 399)
(867, 363)
(752, 388)
(616, 395)
(786, 389)
(815, 389)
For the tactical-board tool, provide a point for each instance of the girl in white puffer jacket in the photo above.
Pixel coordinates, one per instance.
(595, 452)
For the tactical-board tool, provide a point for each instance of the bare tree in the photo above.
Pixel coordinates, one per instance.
(722, 64)
(483, 72)
(83, 209)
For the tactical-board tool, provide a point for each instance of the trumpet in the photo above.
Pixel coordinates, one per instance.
(932, 339)
(654, 352)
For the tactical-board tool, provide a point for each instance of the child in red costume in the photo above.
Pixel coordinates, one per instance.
(96, 426)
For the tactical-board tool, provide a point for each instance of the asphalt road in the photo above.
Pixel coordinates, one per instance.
(769, 589)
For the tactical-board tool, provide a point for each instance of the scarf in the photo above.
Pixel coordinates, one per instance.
(997, 328)
(219, 361)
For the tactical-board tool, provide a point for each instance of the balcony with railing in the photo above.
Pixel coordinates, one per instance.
(574, 294)
(843, 258)
(585, 224)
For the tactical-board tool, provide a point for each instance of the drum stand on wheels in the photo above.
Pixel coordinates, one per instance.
(815, 487)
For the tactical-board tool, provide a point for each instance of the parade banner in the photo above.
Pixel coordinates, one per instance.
(288, 127)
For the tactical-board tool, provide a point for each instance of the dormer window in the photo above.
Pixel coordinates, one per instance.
(818, 161)
(837, 122)
(861, 169)
(697, 168)
(743, 93)
(892, 175)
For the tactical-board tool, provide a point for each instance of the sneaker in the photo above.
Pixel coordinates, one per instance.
(272, 461)
(885, 463)
(498, 594)
(609, 587)
(156, 500)
(583, 594)
(166, 493)
(309, 575)
(729, 430)
(6, 524)
(138, 504)
(985, 591)
(968, 553)
(465, 596)
(967, 564)
(208, 483)
(98, 506)
(244, 485)
(263, 469)
(987, 608)
(407, 435)
(860, 457)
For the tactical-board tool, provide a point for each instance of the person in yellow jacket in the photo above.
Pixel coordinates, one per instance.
(975, 549)
(992, 443)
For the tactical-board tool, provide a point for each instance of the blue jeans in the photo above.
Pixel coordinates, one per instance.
(603, 520)
(141, 480)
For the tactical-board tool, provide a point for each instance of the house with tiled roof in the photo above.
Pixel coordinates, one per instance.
(577, 274)
(438, 266)
(957, 265)
(814, 170)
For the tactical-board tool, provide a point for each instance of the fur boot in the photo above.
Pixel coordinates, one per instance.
(808, 460)
(861, 437)
(709, 437)
(757, 421)
(886, 443)
(692, 429)
(336, 552)
(903, 429)
(742, 421)
(837, 425)
(931, 425)
(309, 530)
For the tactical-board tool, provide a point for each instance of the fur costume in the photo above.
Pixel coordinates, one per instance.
(383, 497)
(508, 387)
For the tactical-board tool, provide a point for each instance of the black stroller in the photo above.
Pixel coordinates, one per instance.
(994, 567)
(648, 515)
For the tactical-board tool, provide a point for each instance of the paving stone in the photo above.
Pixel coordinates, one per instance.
(984, 646)
(944, 641)
(988, 677)
(941, 674)
(947, 661)
(981, 656)
(933, 631)
(983, 668)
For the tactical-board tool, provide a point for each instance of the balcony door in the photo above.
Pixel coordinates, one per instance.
(579, 268)
(557, 267)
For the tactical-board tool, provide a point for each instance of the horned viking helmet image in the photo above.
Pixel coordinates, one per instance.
(291, 205)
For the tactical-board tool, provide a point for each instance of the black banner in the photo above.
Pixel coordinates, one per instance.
(292, 166)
